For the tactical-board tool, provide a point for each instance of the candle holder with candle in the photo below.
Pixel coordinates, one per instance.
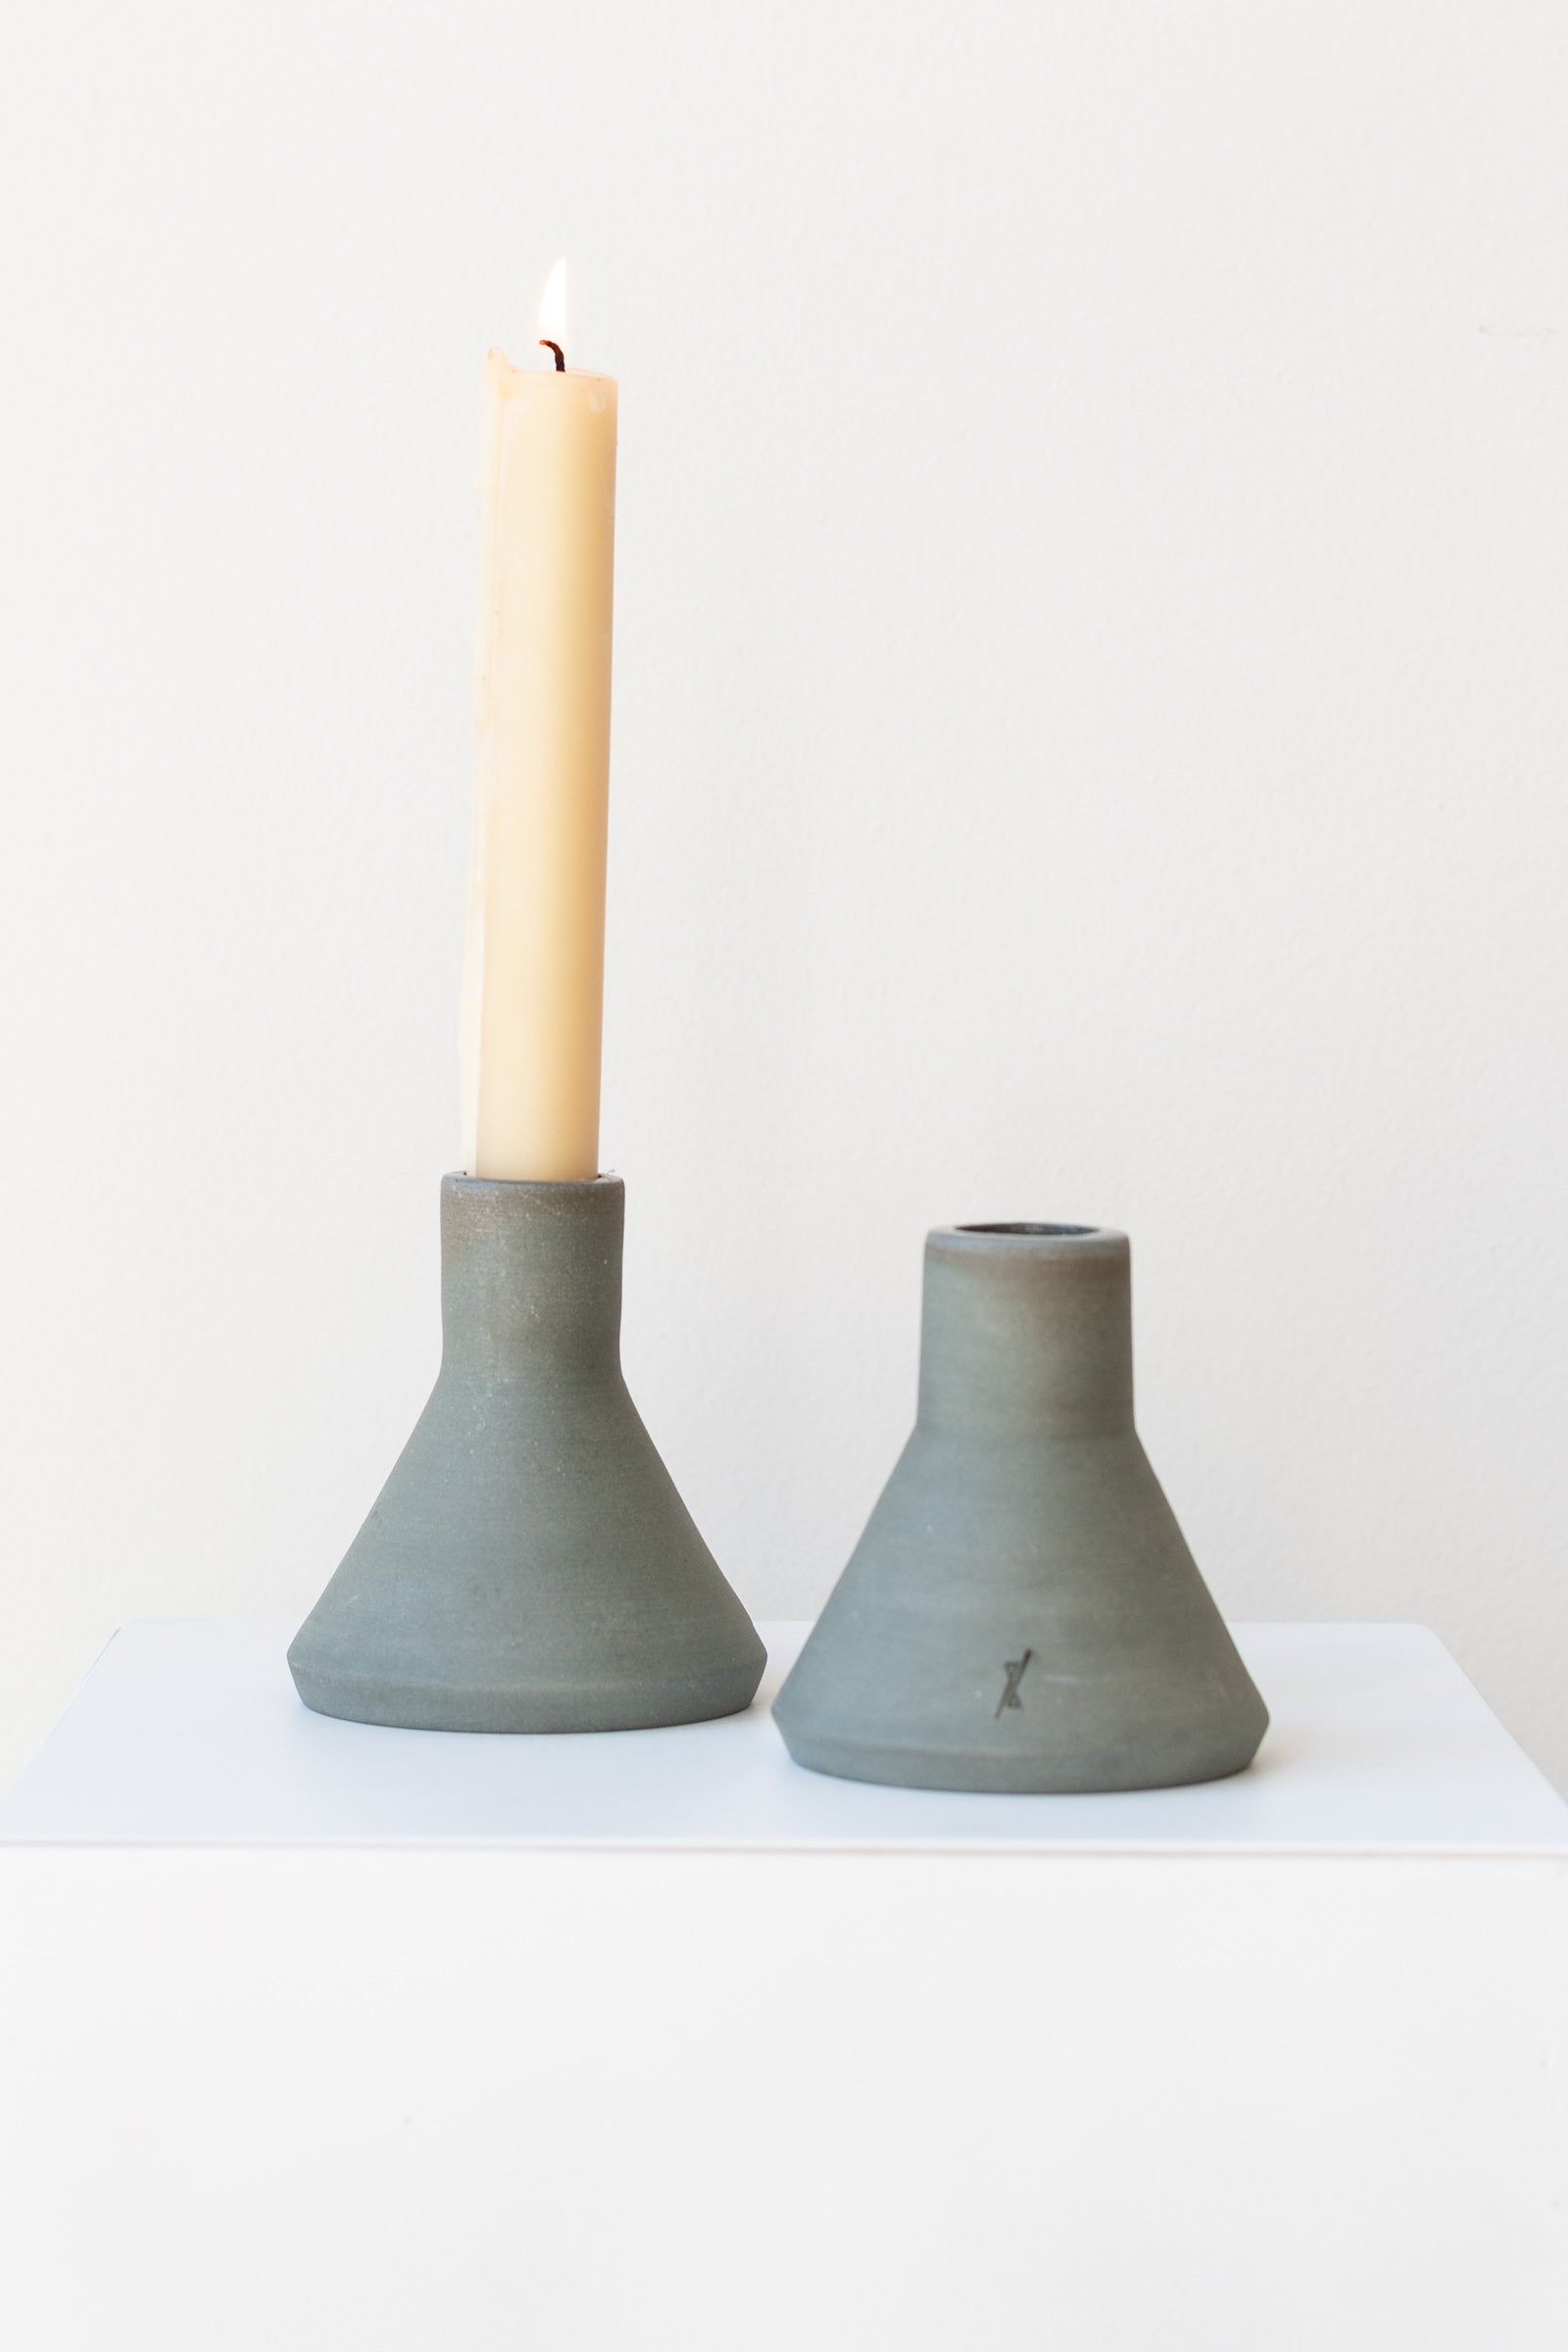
(529, 1565)
(1022, 1612)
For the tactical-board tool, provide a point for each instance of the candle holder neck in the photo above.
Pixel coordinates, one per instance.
(1027, 1328)
(530, 1278)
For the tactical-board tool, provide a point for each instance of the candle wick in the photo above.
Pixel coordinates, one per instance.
(560, 357)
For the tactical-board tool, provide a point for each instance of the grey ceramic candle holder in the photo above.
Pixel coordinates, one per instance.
(528, 1566)
(1022, 1612)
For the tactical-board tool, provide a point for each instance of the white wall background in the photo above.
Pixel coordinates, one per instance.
(1089, 729)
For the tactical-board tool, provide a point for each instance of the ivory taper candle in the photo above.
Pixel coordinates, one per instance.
(533, 989)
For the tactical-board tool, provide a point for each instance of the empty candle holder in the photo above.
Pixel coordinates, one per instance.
(1022, 1613)
(528, 1565)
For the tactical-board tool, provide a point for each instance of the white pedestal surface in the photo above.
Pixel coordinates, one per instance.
(314, 2034)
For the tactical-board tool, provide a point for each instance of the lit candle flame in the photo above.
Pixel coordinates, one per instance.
(552, 311)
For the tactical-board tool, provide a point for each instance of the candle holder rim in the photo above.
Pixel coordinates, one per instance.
(1036, 1237)
(551, 1187)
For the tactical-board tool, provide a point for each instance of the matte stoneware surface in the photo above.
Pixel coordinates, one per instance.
(528, 1565)
(1022, 1612)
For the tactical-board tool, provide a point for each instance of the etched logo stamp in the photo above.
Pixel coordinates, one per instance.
(1014, 1669)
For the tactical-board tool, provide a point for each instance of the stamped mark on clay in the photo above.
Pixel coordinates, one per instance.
(1014, 1669)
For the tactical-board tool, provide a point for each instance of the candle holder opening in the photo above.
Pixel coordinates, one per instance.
(1065, 1232)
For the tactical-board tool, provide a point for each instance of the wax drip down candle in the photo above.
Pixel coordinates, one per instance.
(533, 983)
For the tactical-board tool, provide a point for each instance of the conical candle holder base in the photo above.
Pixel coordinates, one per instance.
(529, 1565)
(1022, 1612)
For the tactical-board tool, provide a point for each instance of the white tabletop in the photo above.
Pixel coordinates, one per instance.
(189, 1729)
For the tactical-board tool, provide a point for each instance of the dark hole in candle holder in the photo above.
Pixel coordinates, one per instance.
(1047, 1229)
